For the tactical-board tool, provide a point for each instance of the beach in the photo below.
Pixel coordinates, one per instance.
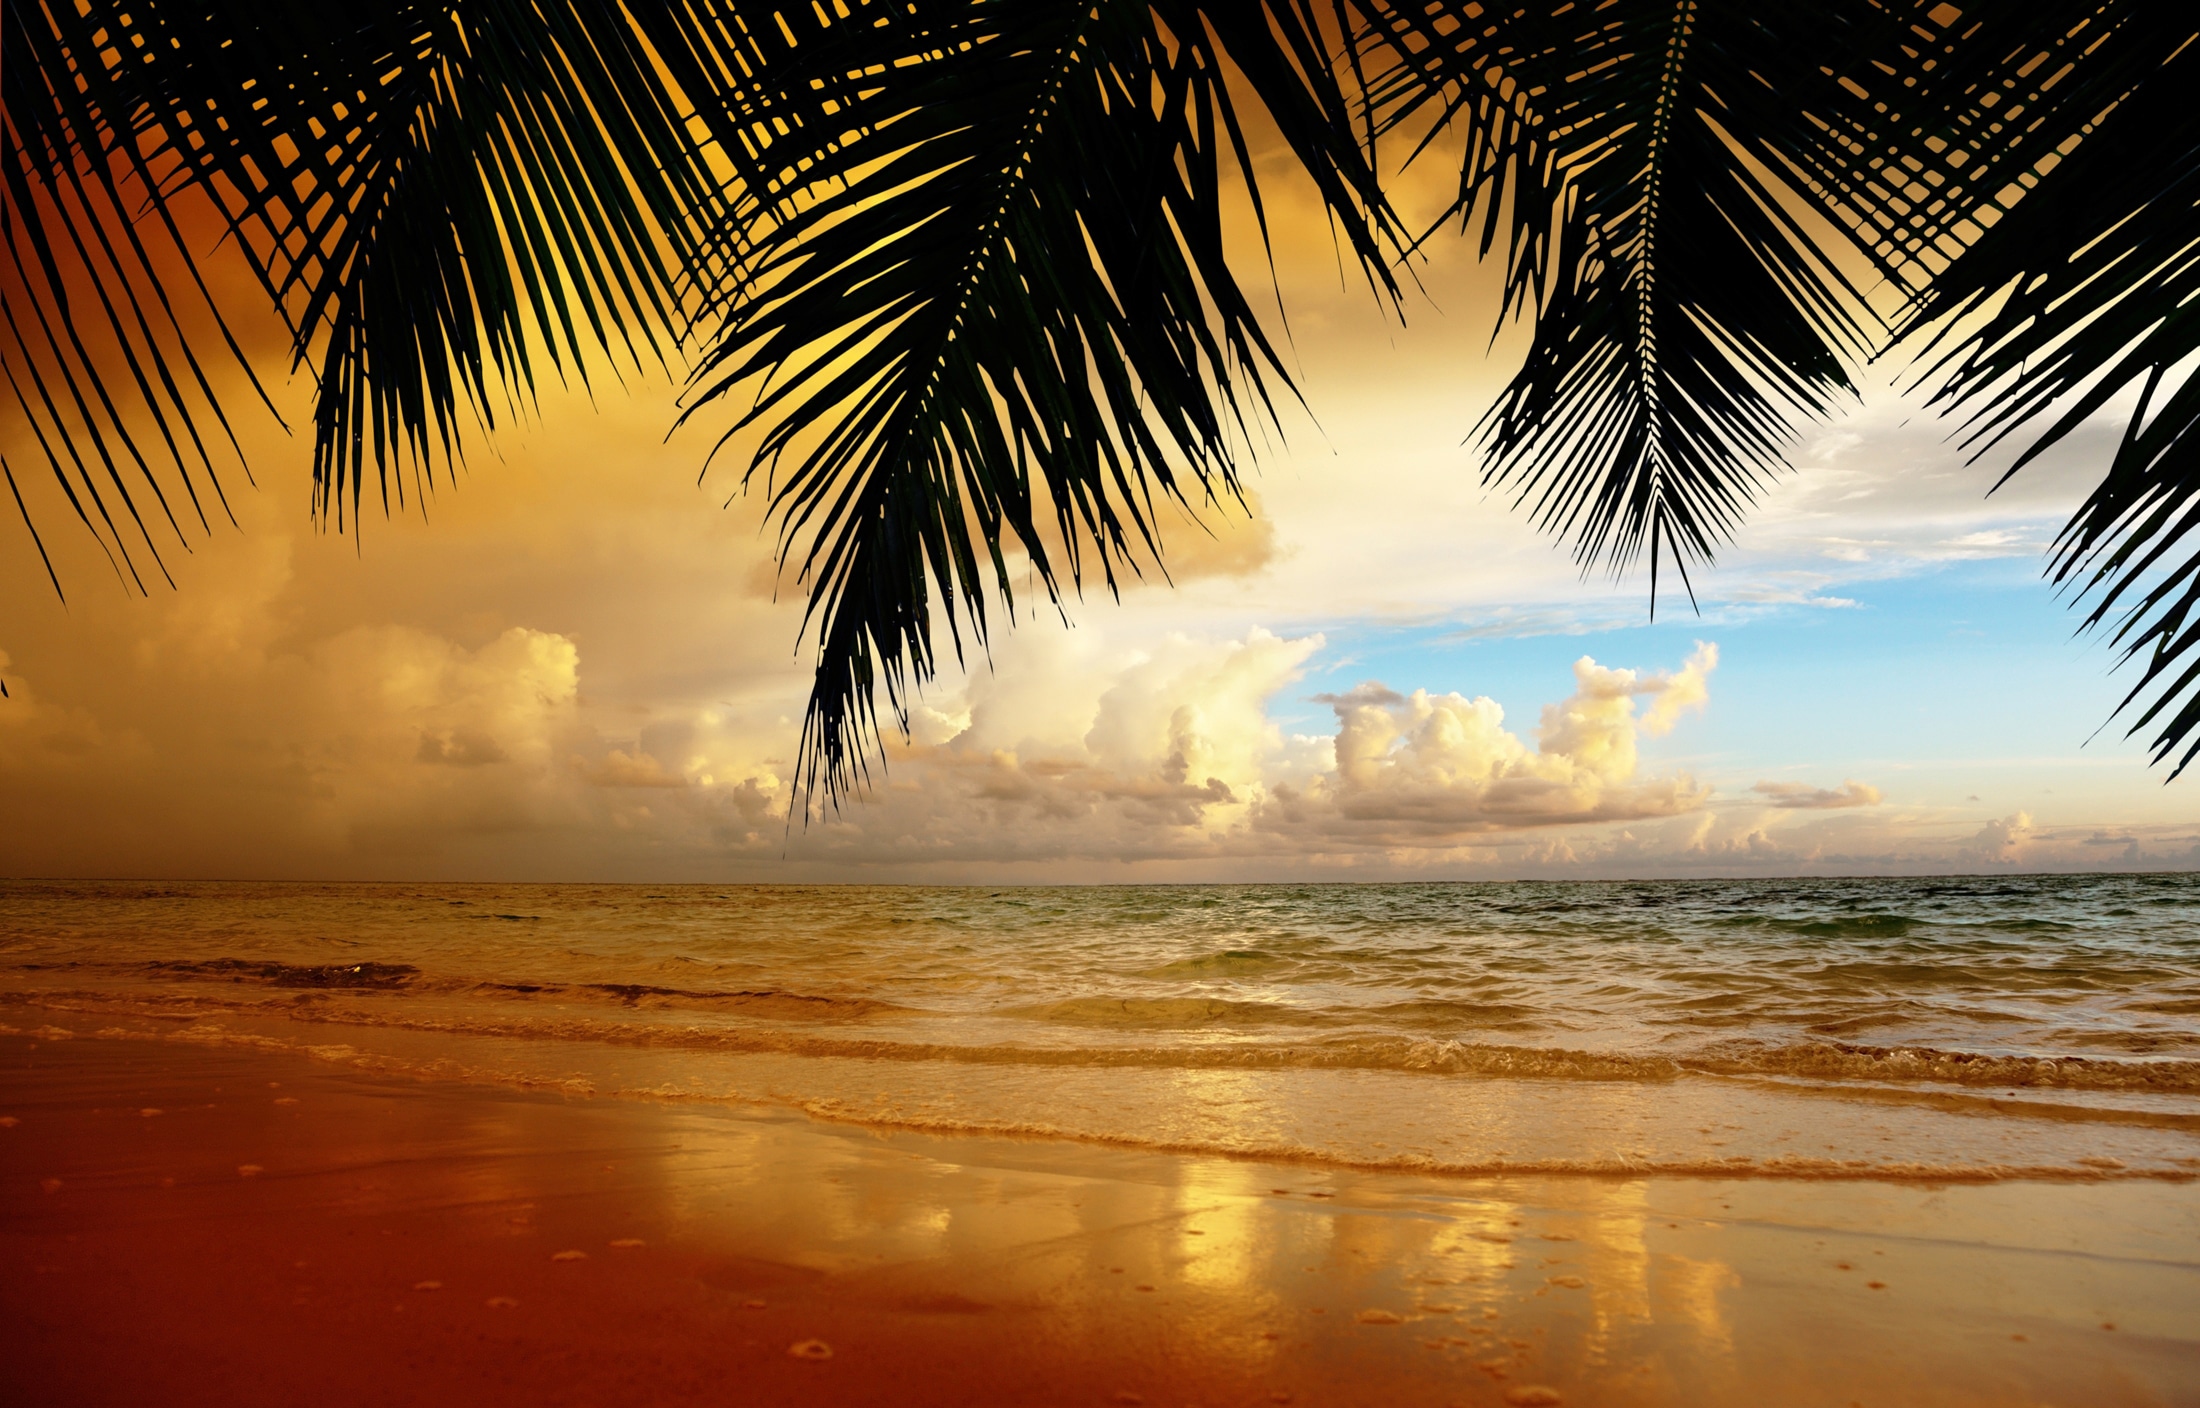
(203, 1225)
(1839, 1143)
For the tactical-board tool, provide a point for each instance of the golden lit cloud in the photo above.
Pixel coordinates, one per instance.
(1426, 767)
(1799, 796)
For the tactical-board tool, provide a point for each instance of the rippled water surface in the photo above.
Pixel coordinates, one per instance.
(2070, 993)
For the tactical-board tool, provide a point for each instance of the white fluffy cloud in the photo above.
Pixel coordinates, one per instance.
(1429, 767)
(1170, 755)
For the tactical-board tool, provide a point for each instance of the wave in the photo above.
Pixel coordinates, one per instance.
(408, 978)
(1786, 1167)
(1230, 963)
(1828, 1063)
(1163, 1012)
(760, 1002)
(367, 976)
(1846, 1061)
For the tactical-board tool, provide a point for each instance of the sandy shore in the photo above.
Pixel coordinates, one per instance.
(182, 1226)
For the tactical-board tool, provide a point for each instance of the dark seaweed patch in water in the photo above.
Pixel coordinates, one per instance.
(1862, 926)
(766, 1000)
(381, 976)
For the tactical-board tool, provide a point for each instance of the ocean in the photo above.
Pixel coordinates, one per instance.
(1949, 1029)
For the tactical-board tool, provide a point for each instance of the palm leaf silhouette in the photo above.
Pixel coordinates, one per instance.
(2096, 286)
(994, 307)
(952, 273)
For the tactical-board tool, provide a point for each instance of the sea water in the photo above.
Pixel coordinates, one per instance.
(1965, 1028)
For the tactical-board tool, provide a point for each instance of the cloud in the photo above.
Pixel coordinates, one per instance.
(580, 671)
(1427, 767)
(1800, 796)
(619, 768)
(1997, 839)
(1063, 753)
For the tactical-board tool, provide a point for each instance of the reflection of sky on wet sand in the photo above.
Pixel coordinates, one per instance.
(1615, 1289)
(1187, 1279)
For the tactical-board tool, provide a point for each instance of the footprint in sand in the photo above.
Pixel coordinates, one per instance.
(627, 1242)
(569, 1256)
(1571, 1283)
(810, 1349)
(1532, 1396)
(1380, 1317)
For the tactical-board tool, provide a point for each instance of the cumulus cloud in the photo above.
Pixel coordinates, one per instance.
(1444, 765)
(1998, 838)
(1801, 796)
(570, 683)
(1170, 754)
(1061, 753)
(584, 670)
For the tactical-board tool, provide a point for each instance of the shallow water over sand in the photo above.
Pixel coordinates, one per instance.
(1947, 1028)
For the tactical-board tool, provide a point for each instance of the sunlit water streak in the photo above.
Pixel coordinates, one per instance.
(1950, 1027)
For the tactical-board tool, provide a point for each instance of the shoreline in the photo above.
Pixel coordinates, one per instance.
(1690, 1125)
(966, 1268)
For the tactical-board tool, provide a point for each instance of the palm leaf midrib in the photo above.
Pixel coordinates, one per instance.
(1012, 179)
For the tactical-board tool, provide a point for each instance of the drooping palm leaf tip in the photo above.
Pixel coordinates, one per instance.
(956, 270)
(432, 196)
(993, 299)
(2098, 278)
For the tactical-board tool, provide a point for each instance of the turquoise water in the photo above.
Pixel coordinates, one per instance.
(1959, 1027)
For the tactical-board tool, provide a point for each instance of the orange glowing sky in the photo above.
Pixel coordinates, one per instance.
(573, 667)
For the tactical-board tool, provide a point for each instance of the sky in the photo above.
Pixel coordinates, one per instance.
(579, 664)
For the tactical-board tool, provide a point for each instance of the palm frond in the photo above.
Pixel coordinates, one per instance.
(1650, 170)
(2096, 282)
(428, 192)
(991, 299)
(1680, 324)
(99, 305)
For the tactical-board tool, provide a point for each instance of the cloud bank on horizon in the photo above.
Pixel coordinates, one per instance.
(387, 750)
(582, 670)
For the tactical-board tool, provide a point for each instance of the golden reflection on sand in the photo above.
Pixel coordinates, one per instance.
(1010, 1271)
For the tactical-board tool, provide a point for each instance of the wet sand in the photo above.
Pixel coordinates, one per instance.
(183, 1226)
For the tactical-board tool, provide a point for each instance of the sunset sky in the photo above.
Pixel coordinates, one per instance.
(574, 669)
